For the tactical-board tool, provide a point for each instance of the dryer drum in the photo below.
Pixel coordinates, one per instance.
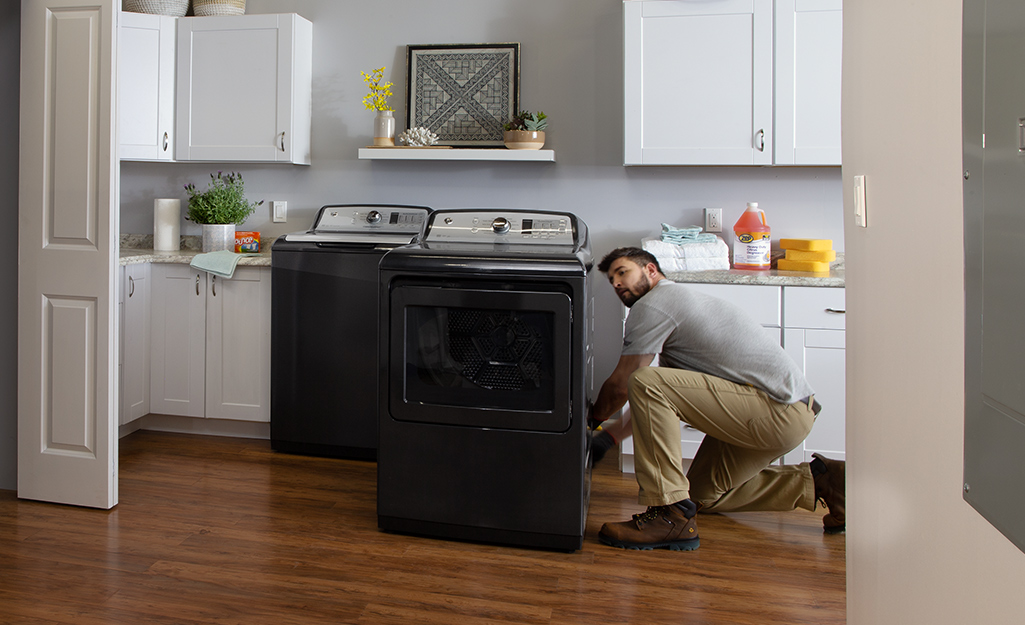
(498, 350)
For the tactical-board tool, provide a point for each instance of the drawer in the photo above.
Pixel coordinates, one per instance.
(813, 307)
(760, 301)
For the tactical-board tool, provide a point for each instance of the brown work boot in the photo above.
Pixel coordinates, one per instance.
(670, 527)
(830, 489)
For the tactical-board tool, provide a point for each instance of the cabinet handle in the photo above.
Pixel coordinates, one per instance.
(197, 284)
(282, 141)
(836, 311)
(213, 285)
(131, 286)
(165, 141)
(761, 140)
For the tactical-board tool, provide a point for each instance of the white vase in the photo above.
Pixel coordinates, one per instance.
(217, 237)
(384, 129)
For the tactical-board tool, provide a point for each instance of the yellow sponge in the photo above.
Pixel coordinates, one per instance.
(824, 255)
(803, 265)
(808, 245)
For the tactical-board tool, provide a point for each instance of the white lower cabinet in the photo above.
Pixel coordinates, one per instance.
(210, 354)
(814, 336)
(134, 362)
(809, 324)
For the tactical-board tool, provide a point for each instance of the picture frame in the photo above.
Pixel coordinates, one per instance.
(464, 93)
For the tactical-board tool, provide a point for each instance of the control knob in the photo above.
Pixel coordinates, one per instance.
(373, 217)
(500, 225)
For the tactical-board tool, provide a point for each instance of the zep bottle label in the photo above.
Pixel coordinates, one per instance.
(752, 249)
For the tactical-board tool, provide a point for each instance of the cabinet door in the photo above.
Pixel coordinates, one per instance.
(145, 87)
(135, 389)
(244, 88)
(809, 35)
(178, 340)
(698, 82)
(238, 346)
(821, 355)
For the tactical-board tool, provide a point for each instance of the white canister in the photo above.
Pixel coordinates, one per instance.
(166, 225)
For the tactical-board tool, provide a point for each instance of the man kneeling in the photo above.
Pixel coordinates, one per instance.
(722, 374)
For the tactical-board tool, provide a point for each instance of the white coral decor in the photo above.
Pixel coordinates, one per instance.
(418, 136)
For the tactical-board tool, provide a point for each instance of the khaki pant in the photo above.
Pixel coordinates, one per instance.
(745, 431)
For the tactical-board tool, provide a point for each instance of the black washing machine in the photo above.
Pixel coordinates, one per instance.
(324, 328)
(486, 338)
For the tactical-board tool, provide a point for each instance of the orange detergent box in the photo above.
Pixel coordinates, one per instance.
(247, 242)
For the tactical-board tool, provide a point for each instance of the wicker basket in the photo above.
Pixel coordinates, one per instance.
(218, 7)
(175, 8)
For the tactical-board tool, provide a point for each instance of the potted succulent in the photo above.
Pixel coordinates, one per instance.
(219, 209)
(526, 131)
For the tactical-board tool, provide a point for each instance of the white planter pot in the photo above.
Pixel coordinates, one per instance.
(218, 237)
(384, 129)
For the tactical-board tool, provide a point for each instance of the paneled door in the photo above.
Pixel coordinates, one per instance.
(67, 236)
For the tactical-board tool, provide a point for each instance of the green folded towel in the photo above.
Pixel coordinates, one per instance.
(220, 263)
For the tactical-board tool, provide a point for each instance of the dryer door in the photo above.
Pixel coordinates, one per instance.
(480, 357)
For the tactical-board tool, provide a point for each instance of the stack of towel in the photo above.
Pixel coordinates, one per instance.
(812, 255)
(688, 249)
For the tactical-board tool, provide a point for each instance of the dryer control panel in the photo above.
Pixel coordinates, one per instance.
(501, 226)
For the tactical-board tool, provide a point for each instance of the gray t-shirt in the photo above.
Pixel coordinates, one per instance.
(698, 332)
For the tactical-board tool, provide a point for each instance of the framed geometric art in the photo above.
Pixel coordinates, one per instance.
(464, 93)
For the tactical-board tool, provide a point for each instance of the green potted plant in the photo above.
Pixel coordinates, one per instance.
(219, 209)
(526, 131)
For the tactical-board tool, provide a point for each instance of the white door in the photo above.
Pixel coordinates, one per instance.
(135, 350)
(67, 237)
(238, 336)
(234, 88)
(177, 340)
(809, 35)
(698, 82)
(146, 55)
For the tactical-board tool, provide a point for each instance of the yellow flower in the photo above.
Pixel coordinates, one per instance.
(377, 99)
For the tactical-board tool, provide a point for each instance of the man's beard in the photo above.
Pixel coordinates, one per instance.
(629, 299)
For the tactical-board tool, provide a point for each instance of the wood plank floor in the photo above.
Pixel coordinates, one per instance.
(226, 531)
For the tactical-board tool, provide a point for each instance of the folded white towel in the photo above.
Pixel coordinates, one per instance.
(661, 249)
(692, 264)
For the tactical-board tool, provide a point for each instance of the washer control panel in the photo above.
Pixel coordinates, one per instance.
(358, 218)
(501, 226)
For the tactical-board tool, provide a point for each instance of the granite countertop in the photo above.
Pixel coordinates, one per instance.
(138, 249)
(772, 277)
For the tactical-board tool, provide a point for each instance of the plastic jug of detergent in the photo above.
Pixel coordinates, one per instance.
(752, 243)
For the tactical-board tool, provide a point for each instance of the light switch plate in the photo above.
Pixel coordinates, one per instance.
(279, 211)
(860, 214)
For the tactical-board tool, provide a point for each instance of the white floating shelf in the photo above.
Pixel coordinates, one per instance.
(456, 154)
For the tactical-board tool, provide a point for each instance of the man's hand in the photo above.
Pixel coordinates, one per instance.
(613, 393)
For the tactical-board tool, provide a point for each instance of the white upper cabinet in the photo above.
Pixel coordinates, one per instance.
(732, 82)
(244, 86)
(145, 87)
(809, 37)
(698, 81)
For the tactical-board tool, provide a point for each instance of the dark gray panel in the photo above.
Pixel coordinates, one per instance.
(993, 102)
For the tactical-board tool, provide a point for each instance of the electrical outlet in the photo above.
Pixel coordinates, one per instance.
(279, 211)
(713, 220)
(860, 210)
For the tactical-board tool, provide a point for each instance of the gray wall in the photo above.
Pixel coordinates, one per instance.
(10, 45)
(571, 67)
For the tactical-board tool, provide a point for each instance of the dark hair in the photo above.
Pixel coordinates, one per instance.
(635, 254)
